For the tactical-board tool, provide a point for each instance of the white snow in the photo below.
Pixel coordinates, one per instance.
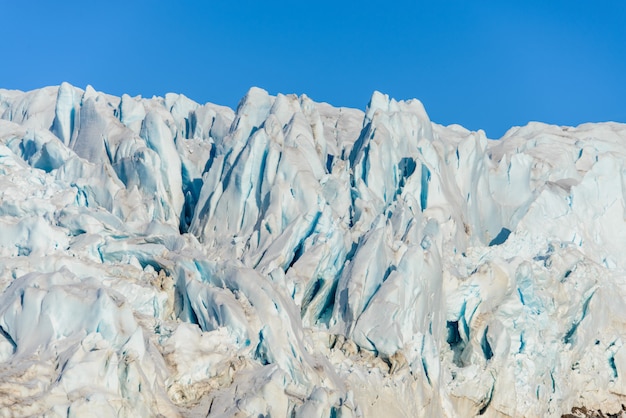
(289, 258)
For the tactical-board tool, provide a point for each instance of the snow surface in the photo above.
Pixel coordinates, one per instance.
(289, 258)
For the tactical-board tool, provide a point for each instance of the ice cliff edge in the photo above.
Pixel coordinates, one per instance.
(289, 258)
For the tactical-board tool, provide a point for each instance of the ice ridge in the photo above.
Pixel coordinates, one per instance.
(160, 257)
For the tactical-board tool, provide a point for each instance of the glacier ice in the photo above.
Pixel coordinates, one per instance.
(289, 258)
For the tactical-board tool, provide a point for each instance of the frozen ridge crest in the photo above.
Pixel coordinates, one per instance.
(159, 257)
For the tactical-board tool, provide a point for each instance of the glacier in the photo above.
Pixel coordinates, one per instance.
(161, 257)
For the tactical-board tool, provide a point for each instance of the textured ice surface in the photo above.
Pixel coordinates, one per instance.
(289, 258)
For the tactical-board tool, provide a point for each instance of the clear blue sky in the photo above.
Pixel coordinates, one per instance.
(485, 65)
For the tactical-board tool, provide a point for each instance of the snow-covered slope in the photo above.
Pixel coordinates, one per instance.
(158, 256)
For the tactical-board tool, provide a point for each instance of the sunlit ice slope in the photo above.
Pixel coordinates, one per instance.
(290, 258)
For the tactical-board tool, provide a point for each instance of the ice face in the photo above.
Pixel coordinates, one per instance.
(289, 258)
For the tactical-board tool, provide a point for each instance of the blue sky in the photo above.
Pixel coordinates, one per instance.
(485, 65)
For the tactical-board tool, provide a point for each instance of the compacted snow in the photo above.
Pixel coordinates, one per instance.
(292, 259)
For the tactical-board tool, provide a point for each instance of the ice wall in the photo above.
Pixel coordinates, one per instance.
(289, 258)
